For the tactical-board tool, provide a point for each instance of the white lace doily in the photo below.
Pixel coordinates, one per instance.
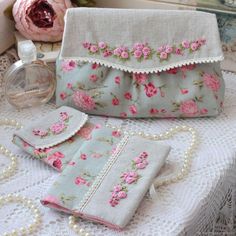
(204, 203)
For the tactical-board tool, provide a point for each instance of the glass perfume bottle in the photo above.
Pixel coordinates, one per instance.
(29, 82)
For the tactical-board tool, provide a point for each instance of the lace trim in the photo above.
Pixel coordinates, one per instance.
(103, 173)
(147, 70)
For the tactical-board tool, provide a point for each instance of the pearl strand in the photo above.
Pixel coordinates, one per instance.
(11, 169)
(31, 228)
(75, 227)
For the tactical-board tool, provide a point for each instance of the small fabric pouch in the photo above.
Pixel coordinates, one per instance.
(110, 177)
(56, 137)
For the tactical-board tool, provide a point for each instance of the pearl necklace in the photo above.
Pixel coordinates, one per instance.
(31, 228)
(75, 227)
(10, 170)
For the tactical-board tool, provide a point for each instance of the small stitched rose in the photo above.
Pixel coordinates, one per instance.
(83, 100)
(138, 46)
(137, 160)
(150, 89)
(124, 55)
(153, 111)
(146, 51)
(93, 78)
(116, 133)
(113, 202)
(122, 194)
(68, 65)
(58, 164)
(117, 188)
(141, 165)
(133, 109)
(178, 51)
(63, 95)
(211, 81)
(194, 46)
(140, 78)
(161, 49)
(58, 154)
(184, 91)
(189, 108)
(117, 79)
(102, 45)
(107, 53)
(203, 111)
(130, 177)
(83, 156)
(163, 55)
(93, 48)
(41, 133)
(117, 52)
(128, 96)
(69, 85)
(144, 155)
(185, 44)
(138, 54)
(123, 114)
(169, 49)
(64, 116)
(95, 66)
(115, 102)
(80, 181)
(57, 128)
(86, 45)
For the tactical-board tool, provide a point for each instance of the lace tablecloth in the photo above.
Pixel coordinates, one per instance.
(204, 203)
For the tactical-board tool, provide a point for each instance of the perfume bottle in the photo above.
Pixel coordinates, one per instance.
(29, 82)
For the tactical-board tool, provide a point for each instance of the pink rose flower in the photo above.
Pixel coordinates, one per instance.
(146, 51)
(80, 181)
(63, 95)
(144, 155)
(128, 96)
(141, 165)
(138, 54)
(69, 85)
(203, 111)
(163, 55)
(39, 132)
(83, 100)
(113, 202)
(185, 44)
(83, 156)
(178, 51)
(140, 78)
(194, 46)
(117, 79)
(169, 49)
(102, 45)
(95, 66)
(189, 108)
(124, 55)
(93, 48)
(68, 65)
(138, 46)
(122, 194)
(117, 188)
(116, 133)
(107, 53)
(211, 81)
(150, 90)
(64, 116)
(86, 45)
(57, 128)
(123, 114)
(137, 160)
(153, 111)
(57, 164)
(130, 177)
(41, 20)
(133, 109)
(93, 78)
(161, 49)
(117, 52)
(184, 91)
(115, 102)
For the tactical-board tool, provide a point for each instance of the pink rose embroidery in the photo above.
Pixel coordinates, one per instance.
(57, 128)
(194, 46)
(189, 108)
(130, 177)
(68, 65)
(133, 109)
(39, 132)
(83, 156)
(128, 96)
(117, 79)
(115, 101)
(140, 78)
(57, 164)
(64, 116)
(184, 91)
(163, 55)
(95, 66)
(185, 44)
(63, 95)
(150, 90)
(116, 134)
(102, 45)
(83, 100)
(80, 181)
(211, 81)
(69, 86)
(153, 111)
(93, 78)
(93, 48)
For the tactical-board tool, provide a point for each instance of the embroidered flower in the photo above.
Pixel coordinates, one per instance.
(69, 85)
(133, 109)
(57, 164)
(68, 65)
(93, 78)
(184, 91)
(130, 177)
(117, 79)
(63, 95)
(189, 108)
(116, 134)
(115, 101)
(178, 51)
(80, 181)
(117, 188)
(64, 116)
(211, 81)
(83, 100)
(83, 156)
(57, 128)
(163, 55)
(153, 111)
(128, 96)
(150, 89)
(93, 48)
(122, 194)
(185, 44)
(140, 78)
(194, 46)
(95, 66)
(39, 132)
(102, 45)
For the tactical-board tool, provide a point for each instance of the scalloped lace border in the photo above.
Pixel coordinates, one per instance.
(149, 70)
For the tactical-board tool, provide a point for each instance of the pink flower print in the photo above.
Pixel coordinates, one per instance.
(63, 95)
(124, 55)
(80, 181)
(83, 156)
(69, 86)
(161, 49)
(86, 45)
(93, 48)
(133, 109)
(144, 155)
(185, 44)
(95, 66)
(194, 46)
(168, 49)
(146, 52)
(107, 53)
(57, 128)
(153, 111)
(140, 78)
(83, 100)
(68, 65)
(117, 188)
(203, 111)
(150, 90)
(93, 78)
(211, 81)
(184, 91)
(178, 51)
(58, 154)
(85, 132)
(163, 55)
(130, 177)
(122, 195)
(116, 134)
(141, 165)
(138, 46)
(137, 160)
(71, 163)
(113, 202)
(115, 101)
(98, 126)
(57, 164)
(64, 116)
(117, 52)
(102, 45)
(117, 79)
(128, 96)
(189, 108)
(123, 114)
(138, 54)
(39, 132)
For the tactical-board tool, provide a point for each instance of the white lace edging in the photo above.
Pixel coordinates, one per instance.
(145, 70)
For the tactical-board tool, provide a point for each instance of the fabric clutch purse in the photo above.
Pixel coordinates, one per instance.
(109, 179)
(56, 137)
(140, 63)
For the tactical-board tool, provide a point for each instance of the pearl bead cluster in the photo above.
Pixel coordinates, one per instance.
(75, 227)
(31, 228)
(10, 170)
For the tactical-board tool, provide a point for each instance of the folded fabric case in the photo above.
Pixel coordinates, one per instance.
(109, 179)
